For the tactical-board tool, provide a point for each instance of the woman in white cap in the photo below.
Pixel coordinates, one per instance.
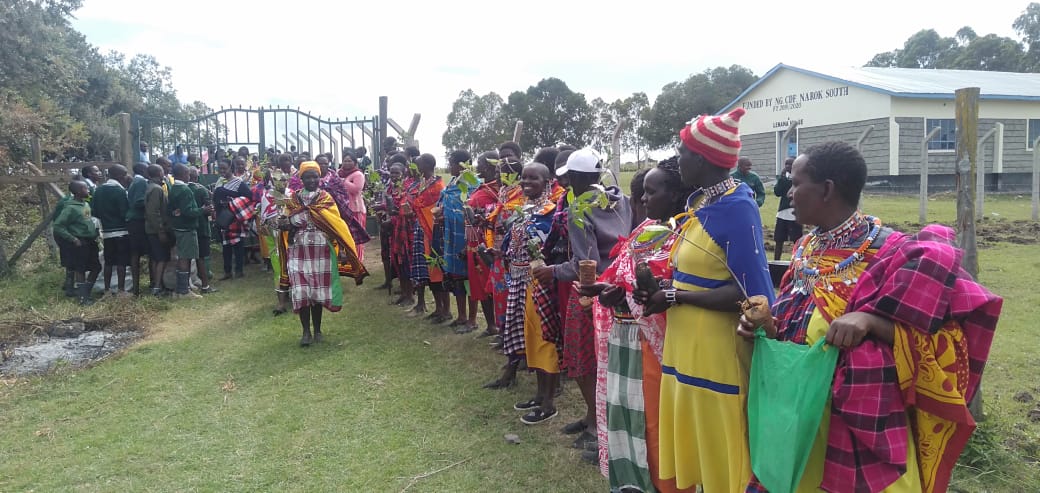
(592, 231)
(705, 364)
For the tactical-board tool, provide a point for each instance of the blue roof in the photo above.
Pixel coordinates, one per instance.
(921, 83)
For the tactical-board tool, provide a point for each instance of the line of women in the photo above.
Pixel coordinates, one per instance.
(638, 300)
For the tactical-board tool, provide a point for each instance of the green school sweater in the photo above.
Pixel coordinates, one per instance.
(135, 198)
(109, 205)
(202, 199)
(74, 221)
(183, 199)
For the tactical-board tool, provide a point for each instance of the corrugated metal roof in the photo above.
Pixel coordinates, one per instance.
(922, 83)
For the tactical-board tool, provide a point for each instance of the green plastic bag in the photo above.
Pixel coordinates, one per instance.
(788, 389)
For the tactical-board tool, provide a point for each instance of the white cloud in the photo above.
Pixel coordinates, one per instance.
(337, 58)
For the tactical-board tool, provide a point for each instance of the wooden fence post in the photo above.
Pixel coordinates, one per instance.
(922, 209)
(967, 114)
(41, 193)
(126, 143)
(615, 149)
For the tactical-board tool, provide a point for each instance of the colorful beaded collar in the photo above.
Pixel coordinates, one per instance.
(807, 274)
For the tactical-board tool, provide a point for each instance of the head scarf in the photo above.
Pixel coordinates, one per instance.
(310, 166)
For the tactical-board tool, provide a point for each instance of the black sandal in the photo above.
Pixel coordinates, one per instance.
(524, 406)
(538, 416)
(574, 428)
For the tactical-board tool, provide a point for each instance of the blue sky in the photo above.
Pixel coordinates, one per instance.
(337, 58)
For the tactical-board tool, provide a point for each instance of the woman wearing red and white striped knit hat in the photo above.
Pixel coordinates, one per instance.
(703, 422)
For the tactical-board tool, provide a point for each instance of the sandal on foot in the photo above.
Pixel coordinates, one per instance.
(538, 416)
(524, 406)
(583, 439)
(590, 457)
(574, 428)
(458, 323)
(277, 311)
(465, 329)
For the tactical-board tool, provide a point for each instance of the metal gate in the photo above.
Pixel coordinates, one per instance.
(258, 129)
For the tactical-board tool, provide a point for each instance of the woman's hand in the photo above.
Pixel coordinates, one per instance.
(612, 296)
(655, 303)
(590, 290)
(543, 274)
(747, 328)
(849, 330)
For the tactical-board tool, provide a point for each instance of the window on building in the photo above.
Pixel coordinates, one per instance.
(946, 139)
(1033, 131)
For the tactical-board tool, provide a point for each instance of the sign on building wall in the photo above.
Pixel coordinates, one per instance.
(789, 96)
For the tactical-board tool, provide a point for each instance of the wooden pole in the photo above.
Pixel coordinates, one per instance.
(922, 210)
(378, 151)
(41, 191)
(56, 190)
(126, 143)
(615, 148)
(1036, 180)
(29, 241)
(967, 112)
(518, 130)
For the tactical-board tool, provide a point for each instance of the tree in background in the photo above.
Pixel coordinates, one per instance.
(1028, 27)
(969, 51)
(552, 114)
(476, 123)
(703, 93)
(56, 86)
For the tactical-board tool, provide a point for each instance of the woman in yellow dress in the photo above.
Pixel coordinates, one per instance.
(719, 259)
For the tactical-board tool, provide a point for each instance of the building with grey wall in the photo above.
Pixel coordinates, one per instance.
(887, 112)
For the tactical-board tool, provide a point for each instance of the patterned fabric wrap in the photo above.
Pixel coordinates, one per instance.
(454, 229)
(402, 228)
(480, 201)
(238, 230)
(626, 453)
(528, 226)
(425, 198)
(310, 269)
(335, 186)
(326, 218)
(419, 271)
(579, 345)
(516, 297)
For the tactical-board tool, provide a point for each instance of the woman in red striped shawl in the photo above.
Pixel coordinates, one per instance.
(913, 329)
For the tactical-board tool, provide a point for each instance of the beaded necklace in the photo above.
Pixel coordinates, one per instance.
(711, 194)
(807, 272)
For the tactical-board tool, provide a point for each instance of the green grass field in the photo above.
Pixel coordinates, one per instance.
(219, 397)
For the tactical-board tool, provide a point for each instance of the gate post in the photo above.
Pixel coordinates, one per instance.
(382, 123)
(262, 151)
